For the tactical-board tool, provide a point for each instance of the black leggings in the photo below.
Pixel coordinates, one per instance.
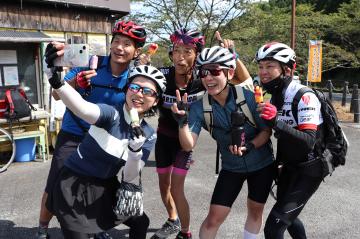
(293, 192)
(138, 228)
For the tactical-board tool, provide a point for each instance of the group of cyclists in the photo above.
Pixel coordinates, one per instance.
(97, 137)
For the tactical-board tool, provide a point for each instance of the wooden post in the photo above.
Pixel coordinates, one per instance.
(345, 90)
(330, 88)
(355, 95)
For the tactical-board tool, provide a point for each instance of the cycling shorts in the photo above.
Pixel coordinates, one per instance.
(229, 184)
(170, 157)
(66, 144)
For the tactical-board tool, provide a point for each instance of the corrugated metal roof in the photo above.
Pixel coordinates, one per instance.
(109, 5)
(17, 36)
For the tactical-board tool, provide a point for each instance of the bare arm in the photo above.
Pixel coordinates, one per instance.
(187, 138)
(262, 138)
(241, 73)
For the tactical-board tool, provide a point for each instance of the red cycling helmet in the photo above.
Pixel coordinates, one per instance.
(130, 29)
(191, 36)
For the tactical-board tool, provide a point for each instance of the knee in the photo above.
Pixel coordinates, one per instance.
(212, 222)
(177, 190)
(164, 185)
(255, 211)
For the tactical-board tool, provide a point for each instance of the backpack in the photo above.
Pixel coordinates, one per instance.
(334, 139)
(238, 92)
(17, 104)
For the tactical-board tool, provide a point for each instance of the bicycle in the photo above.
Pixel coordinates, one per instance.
(6, 141)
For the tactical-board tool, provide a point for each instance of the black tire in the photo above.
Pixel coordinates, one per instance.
(7, 158)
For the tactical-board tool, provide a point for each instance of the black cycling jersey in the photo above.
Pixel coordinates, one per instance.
(195, 91)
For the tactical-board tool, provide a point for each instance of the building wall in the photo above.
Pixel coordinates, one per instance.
(44, 18)
(59, 21)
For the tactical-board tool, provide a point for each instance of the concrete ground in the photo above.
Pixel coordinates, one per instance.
(333, 212)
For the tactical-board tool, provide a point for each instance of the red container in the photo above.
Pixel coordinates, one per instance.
(2, 108)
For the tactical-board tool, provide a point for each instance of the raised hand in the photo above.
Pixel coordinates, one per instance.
(83, 78)
(268, 113)
(226, 43)
(180, 109)
(52, 51)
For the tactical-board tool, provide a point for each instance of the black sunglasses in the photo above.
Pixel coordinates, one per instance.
(146, 91)
(213, 72)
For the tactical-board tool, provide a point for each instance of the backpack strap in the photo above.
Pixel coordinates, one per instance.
(208, 114)
(296, 100)
(100, 61)
(117, 89)
(241, 104)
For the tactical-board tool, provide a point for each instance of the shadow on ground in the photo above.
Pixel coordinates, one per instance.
(8, 229)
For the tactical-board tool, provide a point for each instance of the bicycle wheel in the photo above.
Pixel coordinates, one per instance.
(7, 143)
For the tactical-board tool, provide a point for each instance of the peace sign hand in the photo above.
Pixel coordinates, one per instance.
(180, 109)
(226, 43)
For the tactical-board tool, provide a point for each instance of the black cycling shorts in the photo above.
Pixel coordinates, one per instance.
(168, 152)
(66, 144)
(229, 184)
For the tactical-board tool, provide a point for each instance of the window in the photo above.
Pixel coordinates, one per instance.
(17, 68)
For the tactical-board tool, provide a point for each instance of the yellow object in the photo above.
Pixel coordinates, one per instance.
(315, 61)
(152, 49)
(258, 95)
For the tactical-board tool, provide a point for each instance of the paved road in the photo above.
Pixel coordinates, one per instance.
(333, 212)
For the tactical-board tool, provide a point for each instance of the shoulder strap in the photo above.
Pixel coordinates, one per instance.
(296, 100)
(117, 89)
(208, 116)
(100, 61)
(241, 103)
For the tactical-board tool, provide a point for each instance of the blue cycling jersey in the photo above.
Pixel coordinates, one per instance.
(104, 149)
(97, 95)
(254, 160)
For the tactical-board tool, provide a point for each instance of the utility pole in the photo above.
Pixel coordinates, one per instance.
(293, 15)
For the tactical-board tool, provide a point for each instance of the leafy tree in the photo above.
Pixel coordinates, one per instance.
(162, 17)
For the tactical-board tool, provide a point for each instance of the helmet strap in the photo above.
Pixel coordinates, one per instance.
(227, 83)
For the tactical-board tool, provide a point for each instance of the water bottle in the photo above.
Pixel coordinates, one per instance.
(237, 128)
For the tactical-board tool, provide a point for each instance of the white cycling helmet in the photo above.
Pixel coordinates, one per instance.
(277, 51)
(149, 72)
(216, 55)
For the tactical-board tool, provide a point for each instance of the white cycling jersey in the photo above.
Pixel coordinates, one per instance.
(309, 114)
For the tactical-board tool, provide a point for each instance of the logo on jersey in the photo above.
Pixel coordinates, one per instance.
(306, 99)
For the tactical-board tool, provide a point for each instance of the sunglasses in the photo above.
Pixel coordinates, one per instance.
(213, 72)
(146, 91)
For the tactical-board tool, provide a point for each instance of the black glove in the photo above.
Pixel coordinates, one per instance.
(55, 81)
(249, 146)
(137, 131)
(137, 140)
(181, 119)
(50, 55)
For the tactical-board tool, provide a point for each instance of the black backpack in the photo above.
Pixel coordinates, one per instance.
(334, 139)
(17, 104)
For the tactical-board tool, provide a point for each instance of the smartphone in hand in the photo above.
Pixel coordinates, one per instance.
(75, 55)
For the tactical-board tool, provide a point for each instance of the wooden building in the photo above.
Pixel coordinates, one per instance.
(27, 26)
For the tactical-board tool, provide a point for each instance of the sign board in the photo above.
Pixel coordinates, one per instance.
(315, 61)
